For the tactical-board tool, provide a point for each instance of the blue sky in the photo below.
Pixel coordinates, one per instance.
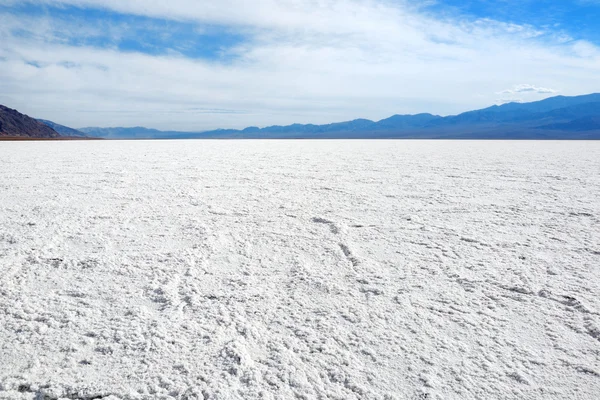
(579, 19)
(196, 64)
(104, 28)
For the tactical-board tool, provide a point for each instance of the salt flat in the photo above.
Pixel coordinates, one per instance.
(300, 269)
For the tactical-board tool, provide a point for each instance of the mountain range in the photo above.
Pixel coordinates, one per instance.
(559, 117)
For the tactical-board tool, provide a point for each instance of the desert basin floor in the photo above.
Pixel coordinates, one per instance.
(299, 270)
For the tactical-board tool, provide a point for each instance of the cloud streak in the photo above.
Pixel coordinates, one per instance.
(526, 88)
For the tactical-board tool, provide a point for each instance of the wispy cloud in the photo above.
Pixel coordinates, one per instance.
(526, 88)
(296, 61)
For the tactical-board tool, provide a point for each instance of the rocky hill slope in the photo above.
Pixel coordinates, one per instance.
(17, 125)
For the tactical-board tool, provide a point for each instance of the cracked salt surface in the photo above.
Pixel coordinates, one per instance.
(300, 269)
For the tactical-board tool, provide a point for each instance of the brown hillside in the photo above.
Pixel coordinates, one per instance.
(15, 124)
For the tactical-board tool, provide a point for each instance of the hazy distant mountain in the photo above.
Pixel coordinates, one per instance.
(137, 133)
(554, 118)
(15, 124)
(549, 104)
(407, 121)
(578, 125)
(557, 117)
(63, 130)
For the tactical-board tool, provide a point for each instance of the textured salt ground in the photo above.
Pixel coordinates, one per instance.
(300, 269)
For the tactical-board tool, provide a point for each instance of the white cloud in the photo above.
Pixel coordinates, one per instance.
(308, 61)
(526, 88)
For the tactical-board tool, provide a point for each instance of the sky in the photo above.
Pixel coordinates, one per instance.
(196, 65)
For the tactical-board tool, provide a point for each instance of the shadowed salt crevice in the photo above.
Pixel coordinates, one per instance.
(46, 393)
(332, 226)
(348, 253)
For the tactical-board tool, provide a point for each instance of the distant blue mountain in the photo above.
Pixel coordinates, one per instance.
(63, 130)
(546, 105)
(577, 125)
(407, 121)
(138, 132)
(557, 117)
